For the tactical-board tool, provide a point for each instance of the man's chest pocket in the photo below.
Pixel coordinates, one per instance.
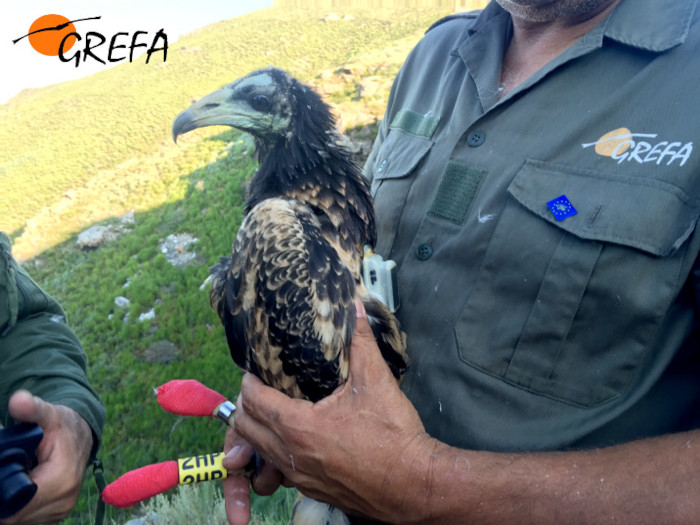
(400, 154)
(568, 308)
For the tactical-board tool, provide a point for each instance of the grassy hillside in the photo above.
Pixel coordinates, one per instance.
(111, 131)
(87, 151)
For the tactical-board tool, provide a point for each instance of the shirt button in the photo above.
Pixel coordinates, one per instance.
(476, 138)
(424, 252)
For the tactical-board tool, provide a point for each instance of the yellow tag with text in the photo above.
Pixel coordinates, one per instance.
(201, 468)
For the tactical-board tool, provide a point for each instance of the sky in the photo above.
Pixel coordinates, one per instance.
(24, 68)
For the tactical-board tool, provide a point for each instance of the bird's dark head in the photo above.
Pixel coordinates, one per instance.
(297, 146)
(269, 104)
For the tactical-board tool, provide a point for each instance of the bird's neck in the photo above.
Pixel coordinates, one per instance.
(324, 176)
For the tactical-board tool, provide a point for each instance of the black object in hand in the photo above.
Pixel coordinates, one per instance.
(17, 457)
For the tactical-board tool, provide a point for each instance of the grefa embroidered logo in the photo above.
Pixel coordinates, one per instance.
(624, 146)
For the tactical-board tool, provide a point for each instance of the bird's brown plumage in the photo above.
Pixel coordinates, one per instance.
(293, 292)
(286, 294)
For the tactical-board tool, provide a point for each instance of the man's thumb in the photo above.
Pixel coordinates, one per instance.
(365, 358)
(362, 328)
(23, 406)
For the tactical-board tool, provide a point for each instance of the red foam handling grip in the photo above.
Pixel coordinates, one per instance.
(140, 484)
(188, 397)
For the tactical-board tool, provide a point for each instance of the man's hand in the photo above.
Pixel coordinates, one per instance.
(62, 459)
(350, 449)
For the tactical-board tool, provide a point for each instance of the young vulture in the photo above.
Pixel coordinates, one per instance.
(286, 295)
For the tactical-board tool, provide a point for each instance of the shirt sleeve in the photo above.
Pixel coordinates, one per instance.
(38, 351)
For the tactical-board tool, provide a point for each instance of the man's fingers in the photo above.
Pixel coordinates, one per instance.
(235, 488)
(237, 500)
(266, 479)
(262, 403)
(238, 456)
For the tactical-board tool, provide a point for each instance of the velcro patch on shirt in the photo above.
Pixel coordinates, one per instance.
(456, 190)
(415, 123)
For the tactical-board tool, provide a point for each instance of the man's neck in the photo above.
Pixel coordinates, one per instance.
(534, 44)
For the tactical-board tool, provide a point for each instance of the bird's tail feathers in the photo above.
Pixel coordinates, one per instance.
(390, 338)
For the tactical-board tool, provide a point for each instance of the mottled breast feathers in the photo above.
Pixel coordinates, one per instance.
(284, 299)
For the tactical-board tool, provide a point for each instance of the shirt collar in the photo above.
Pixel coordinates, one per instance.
(649, 24)
(638, 23)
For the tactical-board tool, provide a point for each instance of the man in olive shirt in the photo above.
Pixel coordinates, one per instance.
(535, 181)
(43, 381)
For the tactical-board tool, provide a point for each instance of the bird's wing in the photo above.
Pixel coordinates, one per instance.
(223, 297)
(287, 301)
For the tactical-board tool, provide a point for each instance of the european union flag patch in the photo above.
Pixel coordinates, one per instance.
(561, 208)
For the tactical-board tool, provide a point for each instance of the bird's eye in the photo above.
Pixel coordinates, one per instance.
(260, 103)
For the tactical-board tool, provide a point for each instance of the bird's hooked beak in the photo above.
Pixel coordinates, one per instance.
(217, 108)
(208, 111)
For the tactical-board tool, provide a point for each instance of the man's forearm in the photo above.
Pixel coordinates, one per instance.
(648, 481)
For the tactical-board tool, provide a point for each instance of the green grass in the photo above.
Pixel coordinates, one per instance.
(87, 151)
